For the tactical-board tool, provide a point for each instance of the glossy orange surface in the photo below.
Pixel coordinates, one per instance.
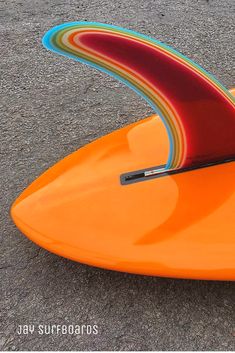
(181, 225)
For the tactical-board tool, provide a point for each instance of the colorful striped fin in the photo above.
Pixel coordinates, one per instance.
(198, 112)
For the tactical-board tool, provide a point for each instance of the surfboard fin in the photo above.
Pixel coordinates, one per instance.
(198, 112)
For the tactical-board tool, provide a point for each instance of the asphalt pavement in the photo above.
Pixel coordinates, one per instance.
(50, 106)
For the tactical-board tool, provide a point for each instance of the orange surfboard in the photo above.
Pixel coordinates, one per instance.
(156, 197)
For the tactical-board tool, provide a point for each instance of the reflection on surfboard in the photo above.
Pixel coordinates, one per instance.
(212, 191)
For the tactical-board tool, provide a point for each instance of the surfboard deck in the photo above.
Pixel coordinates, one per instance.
(180, 225)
